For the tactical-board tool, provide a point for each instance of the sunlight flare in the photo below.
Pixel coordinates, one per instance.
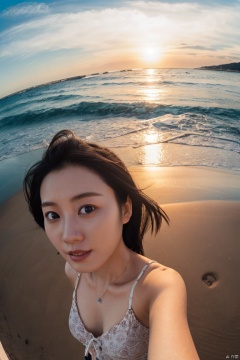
(151, 154)
(151, 93)
(152, 54)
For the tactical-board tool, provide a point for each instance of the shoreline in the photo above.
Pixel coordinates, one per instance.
(13, 169)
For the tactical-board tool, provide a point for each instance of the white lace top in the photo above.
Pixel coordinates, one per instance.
(126, 340)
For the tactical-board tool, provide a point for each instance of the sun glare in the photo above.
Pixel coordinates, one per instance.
(151, 72)
(151, 54)
(151, 94)
(152, 153)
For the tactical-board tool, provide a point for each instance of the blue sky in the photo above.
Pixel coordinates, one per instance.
(42, 41)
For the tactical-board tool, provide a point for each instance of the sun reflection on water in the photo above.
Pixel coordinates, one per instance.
(150, 75)
(151, 71)
(151, 154)
(151, 92)
(151, 137)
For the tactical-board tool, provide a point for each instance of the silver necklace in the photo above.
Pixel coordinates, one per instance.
(99, 298)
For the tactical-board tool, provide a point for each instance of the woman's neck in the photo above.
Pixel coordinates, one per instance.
(115, 270)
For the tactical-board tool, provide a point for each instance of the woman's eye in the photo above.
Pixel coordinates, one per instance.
(52, 215)
(87, 209)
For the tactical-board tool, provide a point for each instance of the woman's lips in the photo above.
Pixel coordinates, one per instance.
(79, 255)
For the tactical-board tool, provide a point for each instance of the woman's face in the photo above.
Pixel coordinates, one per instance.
(82, 217)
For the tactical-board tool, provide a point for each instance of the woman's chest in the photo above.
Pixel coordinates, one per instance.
(126, 340)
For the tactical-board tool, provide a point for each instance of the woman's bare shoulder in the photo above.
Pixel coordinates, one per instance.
(161, 278)
(71, 274)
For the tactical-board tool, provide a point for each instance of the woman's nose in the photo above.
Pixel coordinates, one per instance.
(72, 231)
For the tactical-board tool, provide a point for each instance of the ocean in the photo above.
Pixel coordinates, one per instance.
(148, 110)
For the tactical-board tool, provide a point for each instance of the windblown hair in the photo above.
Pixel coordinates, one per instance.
(67, 149)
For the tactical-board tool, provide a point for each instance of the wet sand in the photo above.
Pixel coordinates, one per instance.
(202, 243)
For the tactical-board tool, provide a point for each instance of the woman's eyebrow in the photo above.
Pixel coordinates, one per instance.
(83, 195)
(76, 197)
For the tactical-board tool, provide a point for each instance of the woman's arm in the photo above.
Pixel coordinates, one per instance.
(170, 337)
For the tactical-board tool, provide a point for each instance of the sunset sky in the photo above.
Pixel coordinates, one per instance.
(41, 41)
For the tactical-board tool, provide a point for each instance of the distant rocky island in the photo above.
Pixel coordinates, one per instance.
(224, 67)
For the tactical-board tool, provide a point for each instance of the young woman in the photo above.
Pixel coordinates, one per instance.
(125, 306)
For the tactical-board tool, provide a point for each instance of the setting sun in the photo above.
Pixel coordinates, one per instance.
(151, 54)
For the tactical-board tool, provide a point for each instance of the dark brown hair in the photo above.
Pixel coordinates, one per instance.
(67, 149)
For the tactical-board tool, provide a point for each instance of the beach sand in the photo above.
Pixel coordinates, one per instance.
(202, 243)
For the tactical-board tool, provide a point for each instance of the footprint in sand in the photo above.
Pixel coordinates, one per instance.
(209, 278)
